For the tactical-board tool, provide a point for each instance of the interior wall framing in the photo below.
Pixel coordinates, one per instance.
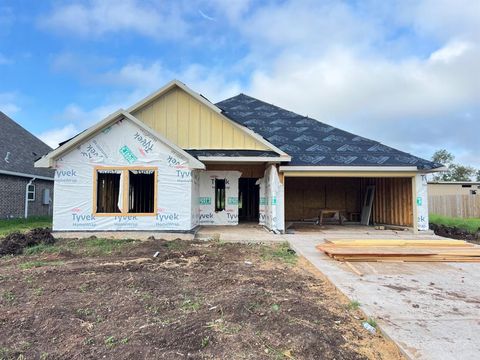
(393, 202)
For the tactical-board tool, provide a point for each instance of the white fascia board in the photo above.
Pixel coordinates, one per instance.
(13, 173)
(194, 163)
(47, 160)
(349, 168)
(241, 159)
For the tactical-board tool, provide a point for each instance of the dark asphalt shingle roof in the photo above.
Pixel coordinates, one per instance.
(232, 153)
(19, 149)
(312, 143)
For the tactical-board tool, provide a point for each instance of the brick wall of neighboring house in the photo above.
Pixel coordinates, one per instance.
(12, 197)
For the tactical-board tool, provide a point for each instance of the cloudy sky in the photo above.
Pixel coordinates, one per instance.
(406, 72)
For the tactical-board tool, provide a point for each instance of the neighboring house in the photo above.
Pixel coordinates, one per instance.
(24, 189)
(454, 198)
(174, 161)
(438, 188)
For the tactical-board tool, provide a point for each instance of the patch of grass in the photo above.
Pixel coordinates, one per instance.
(9, 297)
(279, 252)
(110, 342)
(85, 312)
(205, 342)
(372, 322)
(94, 246)
(37, 263)
(190, 305)
(83, 288)
(23, 225)
(177, 245)
(275, 308)
(470, 225)
(353, 305)
(42, 249)
(38, 291)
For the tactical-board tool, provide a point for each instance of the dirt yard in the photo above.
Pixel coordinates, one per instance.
(110, 299)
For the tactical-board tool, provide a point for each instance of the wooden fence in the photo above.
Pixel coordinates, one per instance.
(461, 206)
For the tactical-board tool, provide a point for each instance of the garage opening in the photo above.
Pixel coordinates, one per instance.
(345, 200)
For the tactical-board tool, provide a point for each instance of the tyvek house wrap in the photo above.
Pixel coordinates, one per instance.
(273, 203)
(422, 202)
(120, 145)
(207, 214)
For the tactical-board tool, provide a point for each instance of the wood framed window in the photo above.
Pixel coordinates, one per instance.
(219, 194)
(124, 191)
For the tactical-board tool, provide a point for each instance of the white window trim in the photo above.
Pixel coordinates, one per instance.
(34, 192)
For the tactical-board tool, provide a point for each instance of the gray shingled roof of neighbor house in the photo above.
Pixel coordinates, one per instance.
(19, 149)
(312, 143)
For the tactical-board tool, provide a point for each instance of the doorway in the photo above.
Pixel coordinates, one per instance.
(248, 199)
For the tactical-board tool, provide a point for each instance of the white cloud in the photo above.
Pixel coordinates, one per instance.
(99, 17)
(8, 103)
(55, 136)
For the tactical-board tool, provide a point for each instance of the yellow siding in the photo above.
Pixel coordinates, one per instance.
(190, 124)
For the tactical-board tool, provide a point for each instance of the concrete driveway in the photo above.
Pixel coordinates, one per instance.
(431, 310)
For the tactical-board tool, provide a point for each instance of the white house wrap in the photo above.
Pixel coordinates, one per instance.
(123, 144)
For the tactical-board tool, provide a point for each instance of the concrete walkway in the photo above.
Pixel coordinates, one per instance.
(431, 310)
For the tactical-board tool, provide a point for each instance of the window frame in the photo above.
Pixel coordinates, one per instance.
(218, 209)
(125, 174)
(34, 192)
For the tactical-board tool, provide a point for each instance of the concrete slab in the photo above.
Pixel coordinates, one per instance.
(431, 310)
(248, 232)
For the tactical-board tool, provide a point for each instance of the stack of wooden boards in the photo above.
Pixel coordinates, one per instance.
(395, 250)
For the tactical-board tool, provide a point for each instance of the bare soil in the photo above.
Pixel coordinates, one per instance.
(453, 232)
(197, 300)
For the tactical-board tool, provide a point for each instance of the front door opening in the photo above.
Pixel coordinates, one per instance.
(248, 199)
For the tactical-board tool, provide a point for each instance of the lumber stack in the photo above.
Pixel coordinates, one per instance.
(395, 250)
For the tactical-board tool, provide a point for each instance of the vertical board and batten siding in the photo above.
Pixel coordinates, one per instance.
(190, 124)
(459, 206)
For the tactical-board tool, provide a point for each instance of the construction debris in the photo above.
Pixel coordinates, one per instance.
(394, 250)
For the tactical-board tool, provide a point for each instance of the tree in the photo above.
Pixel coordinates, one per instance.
(454, 172)
(443, 157)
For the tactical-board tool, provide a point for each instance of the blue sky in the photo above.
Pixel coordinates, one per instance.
(404, 72)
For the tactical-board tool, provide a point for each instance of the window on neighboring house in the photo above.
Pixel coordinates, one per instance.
(108, 191)
(219, 194)
(141, 191)
(31, 192)
(473, 192)
(126, 191)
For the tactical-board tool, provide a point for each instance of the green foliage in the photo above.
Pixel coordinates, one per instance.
(42, 249)
(353, 305)
(470, 225)
(372, 322)
(9, 297)
(275, 308)
(23, 225)
(37, 263)
(190, 305)
(281, 252)
(455, 172)
(477, 175)
(205, 341)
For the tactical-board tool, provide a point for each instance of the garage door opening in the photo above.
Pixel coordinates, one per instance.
(345, 200)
